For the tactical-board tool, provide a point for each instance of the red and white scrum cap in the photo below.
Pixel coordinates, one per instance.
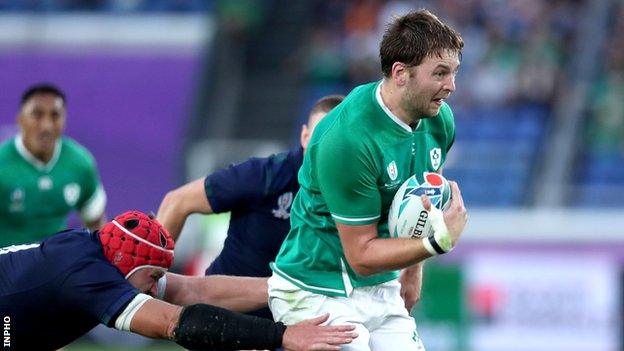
(134, 240)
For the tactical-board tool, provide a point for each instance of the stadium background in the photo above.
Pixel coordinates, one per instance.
(162, 92)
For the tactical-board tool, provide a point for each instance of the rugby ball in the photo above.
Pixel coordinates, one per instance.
(407, 217)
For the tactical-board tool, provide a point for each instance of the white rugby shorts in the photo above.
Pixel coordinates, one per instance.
(378, 313)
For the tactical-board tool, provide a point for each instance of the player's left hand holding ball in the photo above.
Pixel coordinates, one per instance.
(454, 216)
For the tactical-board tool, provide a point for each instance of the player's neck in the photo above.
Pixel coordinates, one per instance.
(44, 156)
(391, 97)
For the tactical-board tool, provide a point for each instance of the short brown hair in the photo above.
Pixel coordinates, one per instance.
(326, 103)
(412, 37)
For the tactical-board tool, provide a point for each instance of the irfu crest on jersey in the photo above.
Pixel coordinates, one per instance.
(71, 192)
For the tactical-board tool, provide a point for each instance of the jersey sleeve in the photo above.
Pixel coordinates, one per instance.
(237, 186)
(97, 288)
(93, 199)
(346, 176)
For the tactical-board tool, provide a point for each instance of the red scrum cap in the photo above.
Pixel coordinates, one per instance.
(135, 240)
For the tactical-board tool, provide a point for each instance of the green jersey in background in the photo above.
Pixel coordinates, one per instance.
(36, 198)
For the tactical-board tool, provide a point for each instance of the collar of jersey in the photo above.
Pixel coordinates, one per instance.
(35, 162)
(389, 113)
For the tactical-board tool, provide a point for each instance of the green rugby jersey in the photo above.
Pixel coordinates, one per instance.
(358, 157)
(36, 198)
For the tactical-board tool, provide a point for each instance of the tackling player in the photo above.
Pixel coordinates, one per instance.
(44, 175)
(56, 290)
(259, 193)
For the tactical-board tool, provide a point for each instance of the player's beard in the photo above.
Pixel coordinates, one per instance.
(415, 106)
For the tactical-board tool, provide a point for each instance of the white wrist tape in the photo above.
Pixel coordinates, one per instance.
(440, 242)
(125, 318)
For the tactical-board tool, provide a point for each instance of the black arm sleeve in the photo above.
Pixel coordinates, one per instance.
(206, 327)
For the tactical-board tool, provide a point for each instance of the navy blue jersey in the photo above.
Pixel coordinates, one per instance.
(258, 192)
(57, 290)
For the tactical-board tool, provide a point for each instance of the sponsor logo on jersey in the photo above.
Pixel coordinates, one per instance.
(71, 192)
(392, 171)
(44, 183)
(283, 206)
(436, 157)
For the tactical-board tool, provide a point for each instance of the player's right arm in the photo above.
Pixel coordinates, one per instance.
(240, 294)
(368, 254)
(346, 169)
(178, 204)
(203, 326)
(234, 187)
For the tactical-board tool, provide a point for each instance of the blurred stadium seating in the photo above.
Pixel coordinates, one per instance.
(515, 57)
(514, 68)
(600, 166)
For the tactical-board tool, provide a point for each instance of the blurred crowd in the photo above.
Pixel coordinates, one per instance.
(606, 128)
(515, 49)
(516, 63)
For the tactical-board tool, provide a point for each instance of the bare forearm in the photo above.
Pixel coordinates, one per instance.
(368, 254)
(178, 204)
(173, 219)
(381, 255)
(411, 285)
(239, 294)
(413, 272)
(156, 319)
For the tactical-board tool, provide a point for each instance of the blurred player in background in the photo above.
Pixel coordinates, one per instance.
(259, 193)
(338, 255)
(44, 175)
(54, 291)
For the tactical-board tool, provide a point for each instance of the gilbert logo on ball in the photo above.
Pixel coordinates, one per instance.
(407, 217)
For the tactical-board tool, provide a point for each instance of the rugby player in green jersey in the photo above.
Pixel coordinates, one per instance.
(338, 256)
(45, 175)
